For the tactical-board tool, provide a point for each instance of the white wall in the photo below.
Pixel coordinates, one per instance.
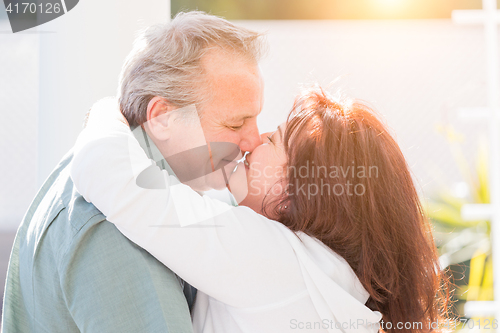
(18, 125)
(80, 61)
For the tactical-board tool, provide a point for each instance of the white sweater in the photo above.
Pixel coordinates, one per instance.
(252, 274)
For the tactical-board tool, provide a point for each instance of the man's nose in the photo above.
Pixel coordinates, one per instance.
(250, 139)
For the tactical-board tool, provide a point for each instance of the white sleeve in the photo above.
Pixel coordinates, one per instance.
(230, 253)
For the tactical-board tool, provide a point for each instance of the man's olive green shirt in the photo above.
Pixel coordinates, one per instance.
(70, 270)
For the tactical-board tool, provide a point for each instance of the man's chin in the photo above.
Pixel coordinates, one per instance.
(198, 184)
(216, 182)
(207, 183)
(238, 182)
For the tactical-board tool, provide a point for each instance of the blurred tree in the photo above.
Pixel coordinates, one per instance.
(326, 9)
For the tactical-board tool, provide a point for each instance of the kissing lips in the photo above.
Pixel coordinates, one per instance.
(247, 164)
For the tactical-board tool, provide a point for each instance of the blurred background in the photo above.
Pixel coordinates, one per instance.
(407, 58)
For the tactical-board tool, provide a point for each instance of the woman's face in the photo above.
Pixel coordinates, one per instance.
(265, 168)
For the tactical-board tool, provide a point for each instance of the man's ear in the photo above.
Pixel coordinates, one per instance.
(159, 118)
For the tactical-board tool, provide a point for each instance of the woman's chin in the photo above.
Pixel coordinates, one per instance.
(255, 204)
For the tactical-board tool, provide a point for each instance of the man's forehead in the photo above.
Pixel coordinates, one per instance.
(236, 86)
(220, 60)
(237, 99)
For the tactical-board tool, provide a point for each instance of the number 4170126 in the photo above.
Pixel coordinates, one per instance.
(33, 8)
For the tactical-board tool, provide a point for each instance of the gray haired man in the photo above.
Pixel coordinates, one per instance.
(70, 270)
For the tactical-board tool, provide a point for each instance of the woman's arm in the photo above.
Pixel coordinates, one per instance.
(231, 253)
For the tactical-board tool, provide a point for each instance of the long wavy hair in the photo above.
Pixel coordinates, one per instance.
(358, 198)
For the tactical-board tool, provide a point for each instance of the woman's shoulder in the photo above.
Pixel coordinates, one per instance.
(318, 258)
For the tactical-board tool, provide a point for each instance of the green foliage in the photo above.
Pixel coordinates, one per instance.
(464, 243)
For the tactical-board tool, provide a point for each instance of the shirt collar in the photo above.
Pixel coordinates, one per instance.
(151, 149)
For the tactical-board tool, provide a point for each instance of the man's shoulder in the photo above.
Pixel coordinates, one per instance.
(57, 210)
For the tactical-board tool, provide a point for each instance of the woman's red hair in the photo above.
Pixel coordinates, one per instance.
(382, 232)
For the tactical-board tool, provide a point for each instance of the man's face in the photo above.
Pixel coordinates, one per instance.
(227, 128)
(229, 117)
(235, 101)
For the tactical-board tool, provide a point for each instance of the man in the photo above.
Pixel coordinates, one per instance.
(70, 270)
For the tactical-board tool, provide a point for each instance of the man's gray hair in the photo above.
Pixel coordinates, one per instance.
(166, 61)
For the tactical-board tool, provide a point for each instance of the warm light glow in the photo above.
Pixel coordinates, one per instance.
(390, 7)
(390, 2)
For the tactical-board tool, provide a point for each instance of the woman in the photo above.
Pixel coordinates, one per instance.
(340, 248)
